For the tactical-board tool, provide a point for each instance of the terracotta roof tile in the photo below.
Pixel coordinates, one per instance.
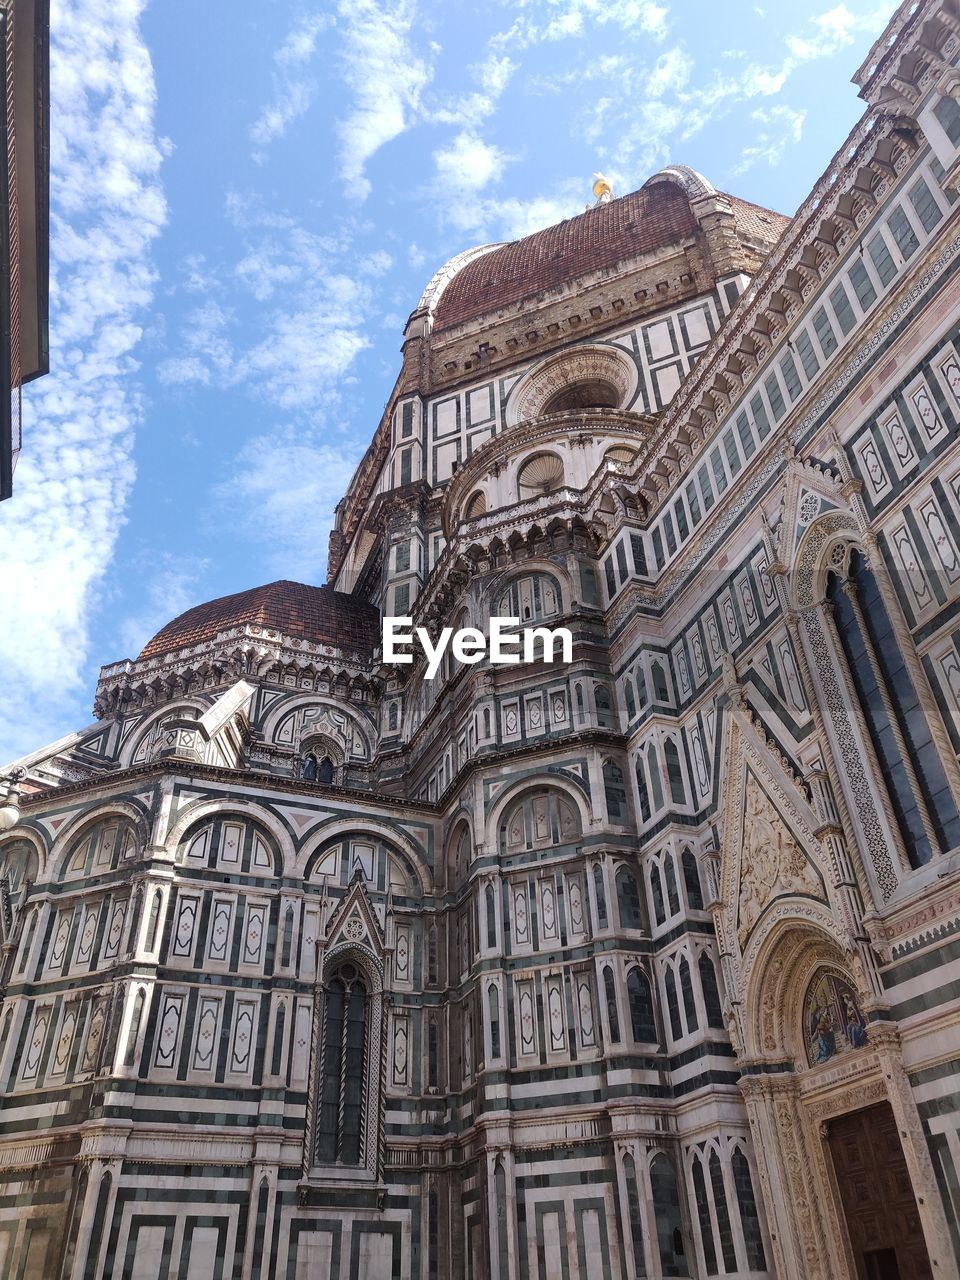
(317, 614)
(646, 220)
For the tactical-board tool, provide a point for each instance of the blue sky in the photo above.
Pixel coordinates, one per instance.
(248, 199)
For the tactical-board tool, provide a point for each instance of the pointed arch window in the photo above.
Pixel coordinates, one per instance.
(636, 1215)
(673, 893)
(628, 900)
(723, 1214)
(153, 925)
(642, 792)
(601, 898)
(493, 1007)
(491, 910)
(749, 1217)
(343, 1069)
(640, 998)
(703, 1218)
(920, 796)
(673, 1008)
(671, 754)
(711, 992)
(653, 768)
(286, 949)
(686, 990)
(614, 791)
(691, 880)
(666, 1214)
(656, 893)
(610, 997)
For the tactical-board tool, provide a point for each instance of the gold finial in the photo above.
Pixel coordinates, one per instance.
(602, 190)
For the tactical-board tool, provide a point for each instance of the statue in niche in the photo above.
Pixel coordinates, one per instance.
(771, 861)
(313, 769)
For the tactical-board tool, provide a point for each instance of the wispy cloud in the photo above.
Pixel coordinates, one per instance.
(76, 471)
(293, 483)
(467, 165)
(779, 127)
(171, 587)
(385, 78)
(294, 86)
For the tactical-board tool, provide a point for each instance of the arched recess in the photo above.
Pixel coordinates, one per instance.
(879, 774)
(74, 831)
(345, 1137)
(27, 835)
(133, 750)
(245, 845)
(599, 367)
(291, 721)
(578, 800)
(537, 814)
(192, 815)
(493, 599)
(457, 853)
(392, 837)
(793, 951)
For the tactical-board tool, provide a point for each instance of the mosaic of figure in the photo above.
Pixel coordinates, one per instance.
(832, 1019)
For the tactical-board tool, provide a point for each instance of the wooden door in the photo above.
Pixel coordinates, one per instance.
(879, 1206)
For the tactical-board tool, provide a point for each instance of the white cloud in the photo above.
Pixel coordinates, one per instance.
(293, 87)
(780, 126)
(76, 470)
(172, 586)
(468, 165)
(293, 483)
(565, 19)
(385, 77)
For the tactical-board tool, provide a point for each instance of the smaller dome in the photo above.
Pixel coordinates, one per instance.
(318, 615)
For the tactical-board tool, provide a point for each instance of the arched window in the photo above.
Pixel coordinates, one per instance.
(134, 1032)
(628, 900)
(19, 866)
(666, 1214)
(691, 880)
(610, 997)
(711, 992)
(487, 730)
(28, 940)
(671, 756)
(493, 1007)
(432, 954)
(601, 898)
(660, 690)
(656, 893)
(325, 770)
(153, 924)
(640, 998)
(703, 1218)
(277, 1062)
(642, 792)
(491, 908)
(614, 791)
(308, 767)
(286, 949)
(530, 598)
(601, 697)
(653, 769)
(686, 989)
(920, 796)
(343, 1068)
(749, 1218)
(629, 698)
(673, 894)
(132, 936)
(673, 1008)
(636, 1215)
(431, 1054)
(723, 1214)
(578, 691)
(641, 687)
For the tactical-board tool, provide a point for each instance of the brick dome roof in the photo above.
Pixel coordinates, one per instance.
(652, 218)
(319, 615)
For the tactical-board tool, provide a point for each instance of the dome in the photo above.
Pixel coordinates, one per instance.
(492, 277)
(318, 615)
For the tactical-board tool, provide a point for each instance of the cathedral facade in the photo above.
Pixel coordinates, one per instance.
(645, 964)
